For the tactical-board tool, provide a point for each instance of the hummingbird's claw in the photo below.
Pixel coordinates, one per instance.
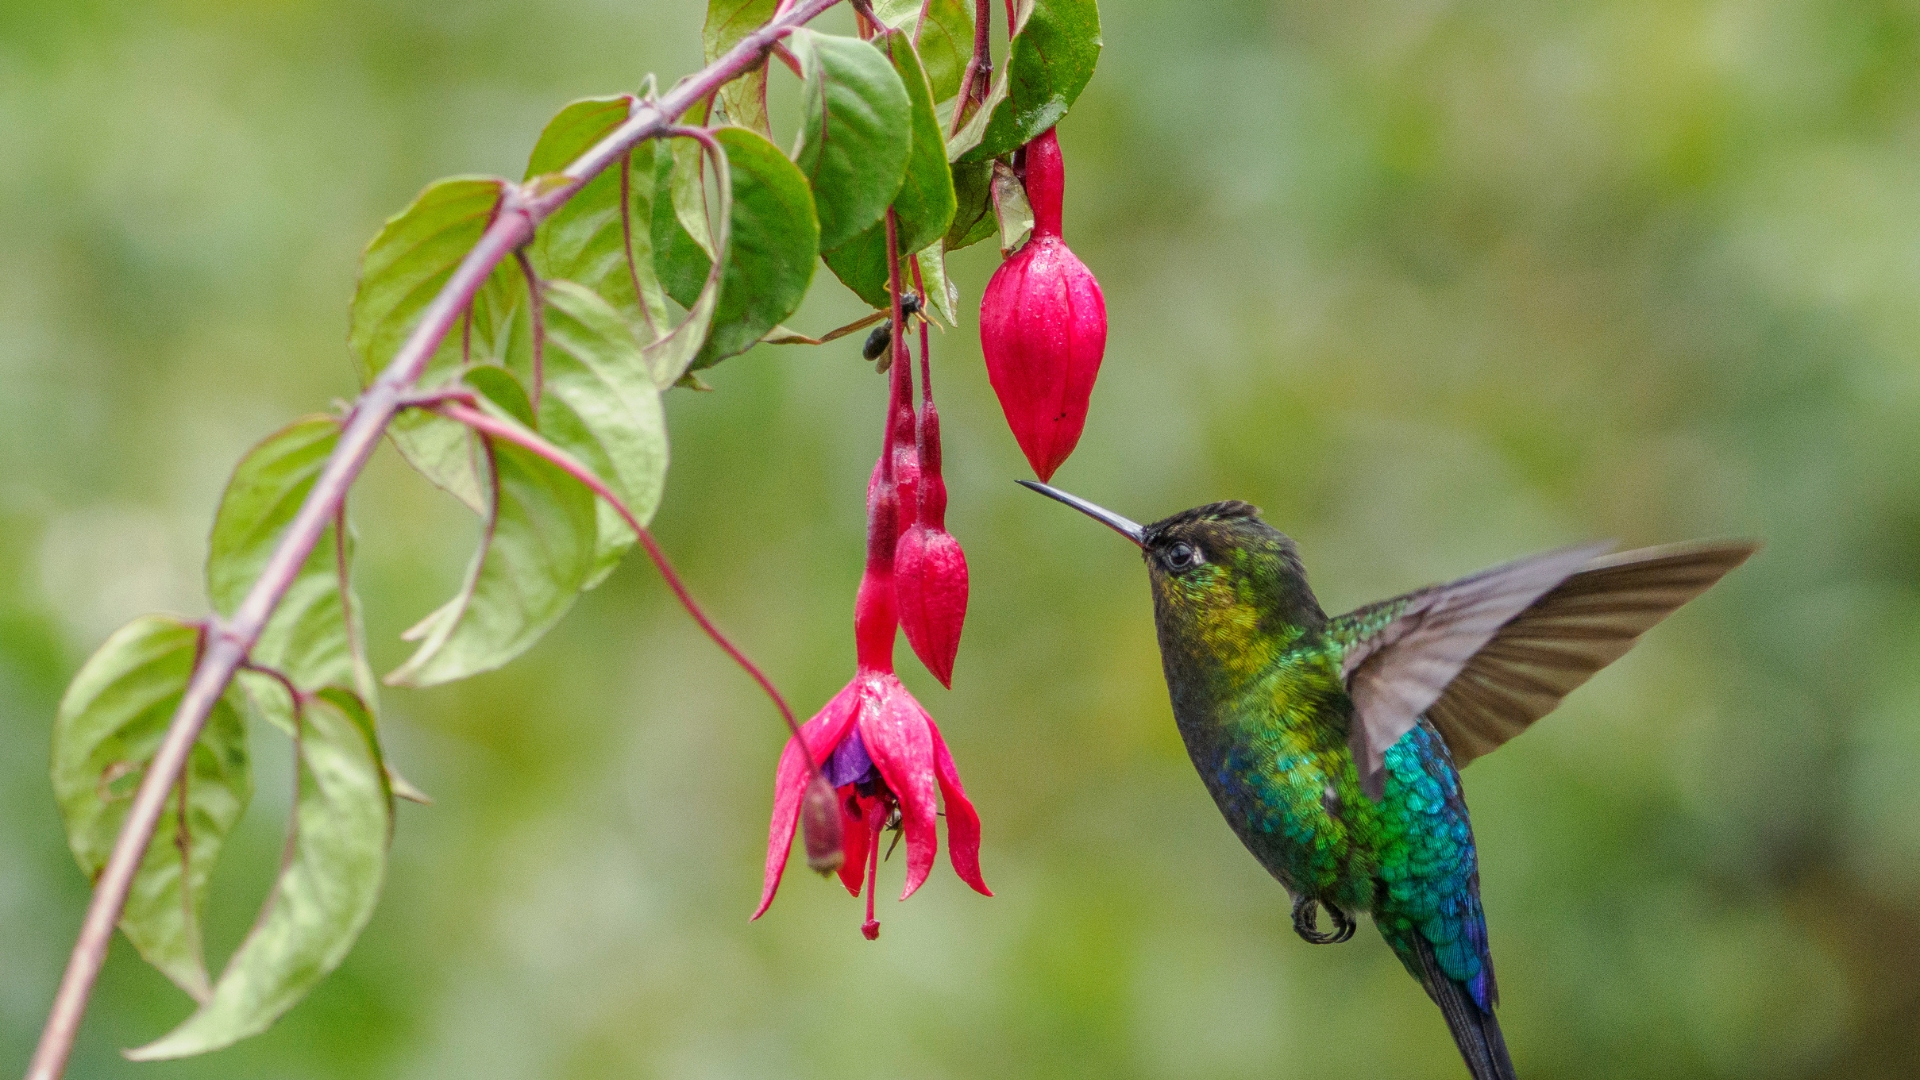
(1306, 922)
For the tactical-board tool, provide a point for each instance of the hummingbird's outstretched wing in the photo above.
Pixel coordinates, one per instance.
(1403, 653)
(1486, 656)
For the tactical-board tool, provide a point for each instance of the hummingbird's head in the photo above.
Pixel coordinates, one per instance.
(1227, 587)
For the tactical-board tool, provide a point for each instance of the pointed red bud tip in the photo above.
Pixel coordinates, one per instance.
(930, 580)
(820, 825)
(1043, 326)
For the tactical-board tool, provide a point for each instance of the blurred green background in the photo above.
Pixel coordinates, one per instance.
(1434, 283)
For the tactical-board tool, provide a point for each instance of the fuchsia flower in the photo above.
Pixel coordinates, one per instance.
(1043, 325)
(877, 748)
(883, 754)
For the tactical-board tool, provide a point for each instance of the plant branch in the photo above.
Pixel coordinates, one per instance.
(979, 73)
(228, 640)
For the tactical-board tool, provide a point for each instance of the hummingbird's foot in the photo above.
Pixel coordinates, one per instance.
(1306, 922)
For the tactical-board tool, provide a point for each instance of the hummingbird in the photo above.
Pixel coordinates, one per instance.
(1332, 745)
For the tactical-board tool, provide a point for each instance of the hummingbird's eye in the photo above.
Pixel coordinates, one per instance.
(1182, 556)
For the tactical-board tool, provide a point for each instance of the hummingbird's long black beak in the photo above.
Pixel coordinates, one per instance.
(1111, 520)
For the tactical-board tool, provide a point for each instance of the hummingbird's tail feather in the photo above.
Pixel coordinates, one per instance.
(1475, 1030)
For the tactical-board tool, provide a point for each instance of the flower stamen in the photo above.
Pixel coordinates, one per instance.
(875, 817)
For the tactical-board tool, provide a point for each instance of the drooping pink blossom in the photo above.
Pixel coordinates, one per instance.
(1043, 325)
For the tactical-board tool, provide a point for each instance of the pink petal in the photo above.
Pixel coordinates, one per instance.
(898, 739)
(853, 868)
(822, 734)
(963, 825)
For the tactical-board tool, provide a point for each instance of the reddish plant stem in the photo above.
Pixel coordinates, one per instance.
(497, 429)
(926, 305)
(979, 74)
(230, 639)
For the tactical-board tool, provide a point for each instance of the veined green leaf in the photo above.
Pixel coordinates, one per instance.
(309, 638)
(745, 98)
(538, 548)
(856, 132)
(587, 240)
(413, 255)
(772, 238)
(924, 206)
(601, 406)
(1051, 60)
(109, 726)
(944, 39)
(328, 884)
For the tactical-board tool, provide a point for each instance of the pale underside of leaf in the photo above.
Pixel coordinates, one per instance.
(403, 268)
(745, 98)
(539, 546)
(594, 239)
(109, 725)
(328, 885)
(602, 408)
(313, 637)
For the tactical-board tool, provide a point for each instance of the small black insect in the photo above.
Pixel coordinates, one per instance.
(882, 335)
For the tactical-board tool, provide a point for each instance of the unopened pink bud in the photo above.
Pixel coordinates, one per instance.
(1043, 325)
(930, 580)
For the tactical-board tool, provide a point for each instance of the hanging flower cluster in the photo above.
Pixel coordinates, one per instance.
(874, 746)
(1043, 325)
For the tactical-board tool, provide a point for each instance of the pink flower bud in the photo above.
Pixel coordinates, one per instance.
(930, 576)
(1043, 325)
(929, 569)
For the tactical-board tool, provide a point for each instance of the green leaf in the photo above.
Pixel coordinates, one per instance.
(745, 98)
(587, 240)
(601, 406)
(856, 132)
(861, 265)
(336, 859)
(308, 638)
(944, 39)
(503, 390)
(973, 191)
(668, 358)
(413, 255)
(1010, 207)
(942, 295)
(925, 204)
(1051, 60)
(538, 548)
(680, 260)
(109, 726)
(772, 239)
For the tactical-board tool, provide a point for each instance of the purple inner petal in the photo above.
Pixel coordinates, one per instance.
(849, 763)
